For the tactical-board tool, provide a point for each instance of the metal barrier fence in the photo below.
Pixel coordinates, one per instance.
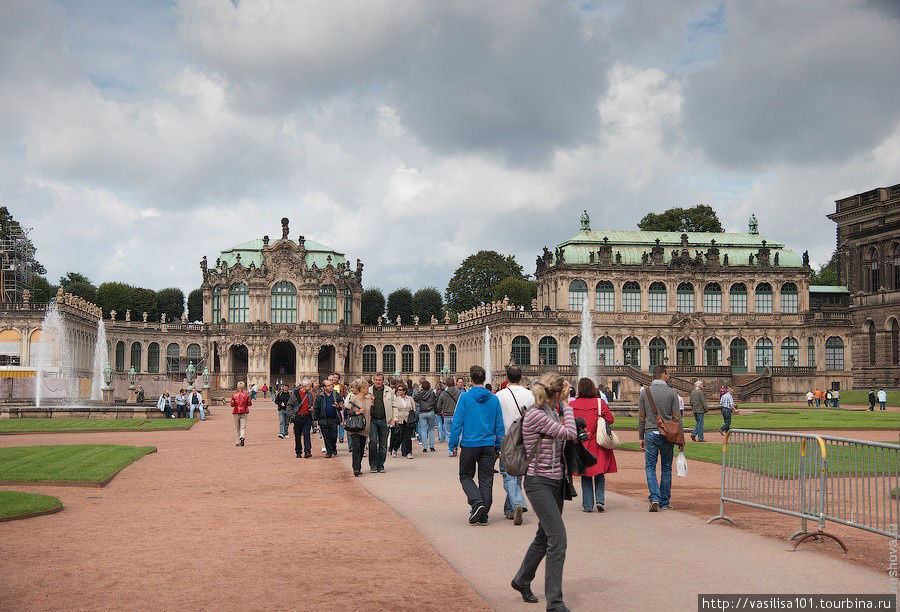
(814, 478)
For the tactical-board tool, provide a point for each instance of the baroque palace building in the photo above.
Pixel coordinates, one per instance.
(730, 308)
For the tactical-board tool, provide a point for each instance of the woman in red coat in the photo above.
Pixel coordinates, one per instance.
(590, 406)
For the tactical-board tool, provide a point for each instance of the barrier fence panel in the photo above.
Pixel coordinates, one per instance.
(814, 478)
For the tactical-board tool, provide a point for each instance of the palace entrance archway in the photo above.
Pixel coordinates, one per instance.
(326, 361)
(239, 359)
(283, 363)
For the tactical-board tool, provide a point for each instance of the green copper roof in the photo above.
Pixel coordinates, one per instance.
(251, 252)
(828, 289)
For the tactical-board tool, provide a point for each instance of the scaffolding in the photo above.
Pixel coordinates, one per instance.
(16, 263)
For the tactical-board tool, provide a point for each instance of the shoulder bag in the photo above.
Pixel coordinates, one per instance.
(670, 430)
(606, 437)
(355, 423)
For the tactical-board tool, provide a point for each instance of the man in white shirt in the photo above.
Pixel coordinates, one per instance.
(514, 401)
(882, 400)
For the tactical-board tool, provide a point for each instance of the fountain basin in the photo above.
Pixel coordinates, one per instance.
(88, 410)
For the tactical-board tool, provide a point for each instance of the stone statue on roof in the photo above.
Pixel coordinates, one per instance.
(776, 258)
(585, 221)
(753, 224)
(203, 264)
(284, 228)
(805, 259)
(618, 257)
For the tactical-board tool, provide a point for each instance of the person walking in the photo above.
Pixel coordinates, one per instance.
(164, 404)
(827, 396)
(439, 389)
(728, 408)
(404, 406)
(181, 405)
(818, 395)
(446, 405)
(265, 390)
(253, 391)
(699, 408)
(545, 433)
(383, 416)
(299, 408)
(596, 414)
(425, 403)
(514, 401)
(882, 399)
(836, 398)
(195, 401)
(327, 413)
(358, 402)
(240, 405)
(478, 429)
(809, 398)
(872, 400)
(284, 415)
(653, 443)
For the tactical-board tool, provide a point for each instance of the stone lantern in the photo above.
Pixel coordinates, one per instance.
(191, 375)
(132, 394)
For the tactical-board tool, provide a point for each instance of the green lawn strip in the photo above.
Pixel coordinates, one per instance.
(860, 397)
(805, 420)
(65, 425)
(86, 464)
(16, 505)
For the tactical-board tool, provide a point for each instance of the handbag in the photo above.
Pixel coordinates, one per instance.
(606, 437)
(355, 423)
(670, 430)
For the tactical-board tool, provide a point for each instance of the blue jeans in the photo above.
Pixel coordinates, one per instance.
(283, 422)
(426, 429)
(593, 488)
(726, 416)
(698, 428)
(441, 432)
(514, 494)
(199, 407)
(655, 446)
(341, 435)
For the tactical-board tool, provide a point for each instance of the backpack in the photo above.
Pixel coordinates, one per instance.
(513, 456)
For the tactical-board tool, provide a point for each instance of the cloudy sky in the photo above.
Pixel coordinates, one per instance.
(135, 137)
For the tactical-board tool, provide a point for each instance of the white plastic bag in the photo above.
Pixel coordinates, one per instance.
(681, 465)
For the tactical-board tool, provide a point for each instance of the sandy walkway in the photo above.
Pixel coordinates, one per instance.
(202, 524)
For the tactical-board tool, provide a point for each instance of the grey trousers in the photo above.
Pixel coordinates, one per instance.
(546, 498)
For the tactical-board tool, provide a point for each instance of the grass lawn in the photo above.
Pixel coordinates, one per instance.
(14, 504)
(91, 464)
(29, 425)
(790, 419)
(860, 397)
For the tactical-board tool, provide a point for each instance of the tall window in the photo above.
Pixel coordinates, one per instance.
(389, 359)
(790, 299)
(834, 354)
(238, 303)
(738, 354)
(439, 358)
(452, 352)
(424, 358)
(684, 352)
(577, 294)
(136, 356)
(811, 352)
(369, 359)
(631, 351)
(895, 342)
(407, 357)
(737, 298)
(606, 297)
(870, 332)
(120, 356)
(521, 350)
(327, 304)
(348, 306)
(712, 352)
(631, 297)
(574, 347)
(712, 298)
(217, 304)
(193, 353)
(897, 267)
(764, 298)
(284, 302)
(605, 351)
(173, 351)
(873, 275)
(657, 352)
(657, 297)
(684, 297)
(790, 352)
(764, 353)
(547, 349)
(153, 358)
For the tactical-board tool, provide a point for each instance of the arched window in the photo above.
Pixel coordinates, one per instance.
(657, 297)
(369, 359)
(790, 352)
(284, 302)
(790, 299)
(764, 298)
(120, 356)
(439, 360)
(574, 347)
(684, 297)
(238, 303)
(684, 352)
(407, 357)
(872, 271)
(217, 304)
(737, 352)
(424, 358)
(737, 298)
(328, 304)
(136, 356)
(452, 353)
(870, 332)
(605, 351)
(173, 352)
(897, 267)
(631, 351)
(389, 359)
(153, 358)
(657, 352)
(811, 352)
(521, 350)
(895, 342)
(834, 354)
(547, 351)
(631, 297)
(606, 297)
(764, 354)
(348, 306)
(194, 353)
(577, 294)
(712, 352)
(712, 298)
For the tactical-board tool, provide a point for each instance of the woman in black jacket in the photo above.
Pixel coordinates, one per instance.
(425, 403)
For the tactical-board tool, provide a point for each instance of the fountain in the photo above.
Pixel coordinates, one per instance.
(487, 353)
(101, 357)
(55, 350)
(587, 352)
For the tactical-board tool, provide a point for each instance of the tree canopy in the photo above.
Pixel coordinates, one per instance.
(475, 279)
(827, 274)
(520, 291)
(80, 285)
(372, 306)
(195, 305)
(400, 302)
(699, 218)
(171, 302)
(7, 223)
(427, 302)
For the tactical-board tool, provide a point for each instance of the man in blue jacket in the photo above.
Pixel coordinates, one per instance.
(479, 419)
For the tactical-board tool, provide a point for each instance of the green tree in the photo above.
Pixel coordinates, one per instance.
(43, 290)
(400, 302)
(195, 305)
(114, 296)
(80, 285)
(520, 291)
(475, 279)
(144, 300)
(171, 302)
(699, 218)
(827, 274)
(8, 223)
(372, 306)
(427, 302)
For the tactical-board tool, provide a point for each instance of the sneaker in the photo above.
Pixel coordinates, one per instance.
(432, 449)
(242, 441)
(373, 470)
(525, 592)
(693, 437)
(600, 508)
(669, 507)
(587, 509)
(517, 518)
(328, 455)
(357, 473)
(654, 506)
(509, 516)
(409, 456)
(281, 436)
(483, 520)
(381, 470)
(307, 455)
(476, 514)
(425, 450)
(323, 449)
